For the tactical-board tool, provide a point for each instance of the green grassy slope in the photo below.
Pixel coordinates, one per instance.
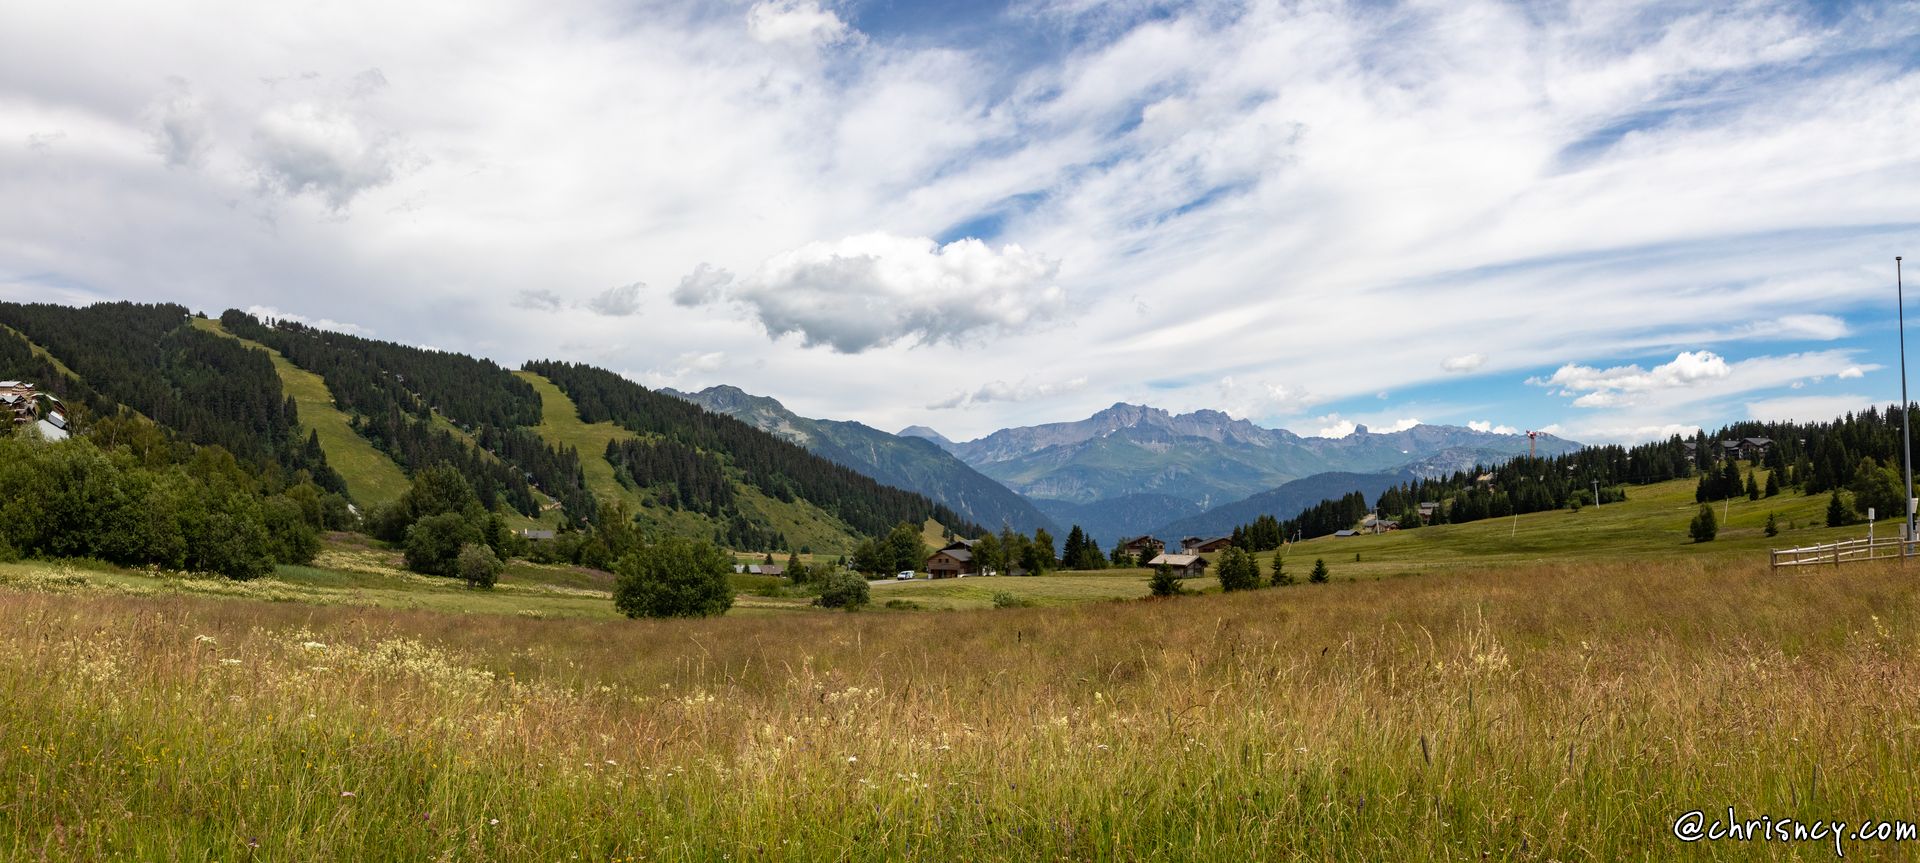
(372, 478)
(1651, 524)
(803, 523)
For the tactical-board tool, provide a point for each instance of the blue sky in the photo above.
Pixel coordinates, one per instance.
(1612, 220)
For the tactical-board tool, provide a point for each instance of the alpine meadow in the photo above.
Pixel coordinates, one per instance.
(831, 430)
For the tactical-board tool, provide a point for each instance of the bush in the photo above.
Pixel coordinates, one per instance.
(1704, 527)
(1237, 570)
(1005, 599)
(904, 604)
(1773, 525)
(1320, 572)
(675, 577)
(434, 543)
(1164, 582)
(478, 566)
(843, 589)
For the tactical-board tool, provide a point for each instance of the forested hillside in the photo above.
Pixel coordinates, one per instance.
(415, 404)
(205, 389)
(683, 445)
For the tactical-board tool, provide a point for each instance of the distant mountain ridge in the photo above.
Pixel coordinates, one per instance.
(1205, 458)
(908, 462)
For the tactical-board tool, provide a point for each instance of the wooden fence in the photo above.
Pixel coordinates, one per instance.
(1846, 551)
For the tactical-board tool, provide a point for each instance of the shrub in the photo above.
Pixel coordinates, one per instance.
(903, 604)
(478, 566)
(1704, 527)
(434, 543)
(1320, 571)
(675, 577)
(1005, 599)
(1773, 525)
(843, 589)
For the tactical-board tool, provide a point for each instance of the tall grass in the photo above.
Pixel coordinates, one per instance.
(1549, 712)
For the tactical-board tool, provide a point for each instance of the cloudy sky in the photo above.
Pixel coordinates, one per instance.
(1607, 219)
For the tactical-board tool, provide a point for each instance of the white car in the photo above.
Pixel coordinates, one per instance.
(905, 575)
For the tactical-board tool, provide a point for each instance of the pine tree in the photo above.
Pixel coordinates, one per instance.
(1838, 513)
(1773, 483)
(1773, 525)
(1320, 572)
(1280, 576)
(1164, 583)
(1704, 527)
(1753, 487)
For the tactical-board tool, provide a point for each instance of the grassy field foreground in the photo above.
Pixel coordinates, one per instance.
(1543, 712)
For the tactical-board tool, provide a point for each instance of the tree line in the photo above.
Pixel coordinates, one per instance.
(204, 388)
(782, 470)
(394, 392)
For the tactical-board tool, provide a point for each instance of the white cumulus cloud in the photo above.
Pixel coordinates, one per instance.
(795, 23)
(873, 290)
(1001, 391)
(1617, 386)
(1484, 426)
(306, 147)
(617, 302)
(1464, 362)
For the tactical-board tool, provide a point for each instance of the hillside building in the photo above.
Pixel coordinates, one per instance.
(1201, 545)
(1142, 547)
(1183, 565)
(953, 561)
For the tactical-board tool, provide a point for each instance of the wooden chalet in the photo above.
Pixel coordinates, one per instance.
(1183, 565)
(953, 561)
(1204, 545)
(1142, 547)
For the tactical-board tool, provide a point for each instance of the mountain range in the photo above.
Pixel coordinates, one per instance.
(903, 462)
(1133, 468)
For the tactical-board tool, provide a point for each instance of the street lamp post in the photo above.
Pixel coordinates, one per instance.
(1906, 416)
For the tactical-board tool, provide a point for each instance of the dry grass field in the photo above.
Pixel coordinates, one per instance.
(1556, 711)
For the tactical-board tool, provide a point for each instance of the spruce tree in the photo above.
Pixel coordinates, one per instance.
(1704, 527)
(1320, 573)
(1773, 483)
(1753, 487)
(1838, 513)
(1773, 525)
(1280, 576)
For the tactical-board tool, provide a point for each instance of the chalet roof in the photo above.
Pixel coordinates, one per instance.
(1346, 533)
(9, 384)
(1758, 441)
(530, 533)
(1429, 504)
(1177, 560)
(8, 398)
(961, 543)
(772, 569)
(959, 554)
(1136, 539)
(57, 418)
(51, 431)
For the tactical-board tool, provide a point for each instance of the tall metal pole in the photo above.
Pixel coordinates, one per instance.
(1906, 415)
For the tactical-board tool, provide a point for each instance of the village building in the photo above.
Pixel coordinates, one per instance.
(1199, 545)
(953, 561)
(1346, 533)
(1427, 509)
(1183, 565)
(534, 535)
(1142, 547)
